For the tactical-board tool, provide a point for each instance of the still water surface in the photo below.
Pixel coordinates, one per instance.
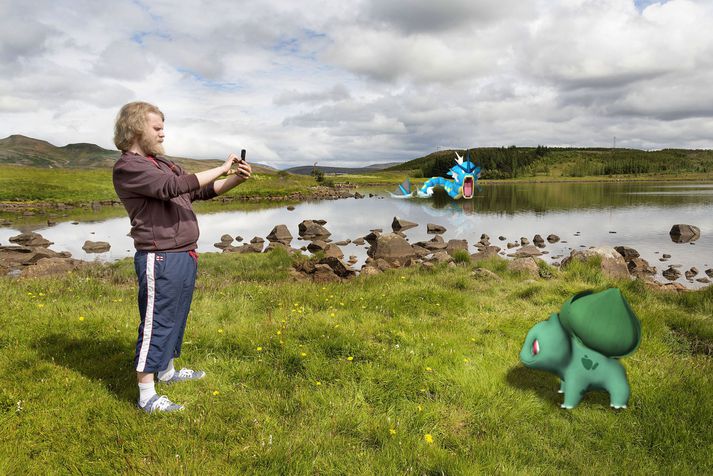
(638, 215)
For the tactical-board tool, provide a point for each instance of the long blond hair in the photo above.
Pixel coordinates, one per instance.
(131, 122)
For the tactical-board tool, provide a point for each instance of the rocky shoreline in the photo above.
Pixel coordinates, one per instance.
(29, 254)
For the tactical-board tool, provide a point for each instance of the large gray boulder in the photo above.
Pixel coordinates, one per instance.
(49, 266)
(527, 266)
(612, 263)
(312, 229)
(280, 234)
(391, 247)
(454, 245)
(30, 239)
(682, 233)
(96, 246)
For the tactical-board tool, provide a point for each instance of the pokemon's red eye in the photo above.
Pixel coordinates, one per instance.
(535, 347)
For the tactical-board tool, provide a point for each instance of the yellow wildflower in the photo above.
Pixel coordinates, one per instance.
(318, 383)
(81, 318)
(350, 358)
(259, 349)
(216, 393)
(428, 437)
(220, 331)
(304, 354)
(392, 431)
(428, 369)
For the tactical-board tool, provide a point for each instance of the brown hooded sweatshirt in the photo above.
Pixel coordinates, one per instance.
(158, 194)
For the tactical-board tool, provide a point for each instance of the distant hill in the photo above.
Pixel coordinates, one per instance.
(21, 150)
(513, 162)
(307, 169)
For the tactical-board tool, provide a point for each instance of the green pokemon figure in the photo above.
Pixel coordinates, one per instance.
(582, 343)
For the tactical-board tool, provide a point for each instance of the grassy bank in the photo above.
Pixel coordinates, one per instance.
(75, 186)
(411, 371)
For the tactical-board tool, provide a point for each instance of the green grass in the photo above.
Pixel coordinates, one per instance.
(55, 185)
(347, 378)
(75, 186)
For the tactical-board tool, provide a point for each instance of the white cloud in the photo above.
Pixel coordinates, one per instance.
(361, 81)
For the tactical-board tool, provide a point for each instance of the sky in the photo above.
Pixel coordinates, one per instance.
(360, 82)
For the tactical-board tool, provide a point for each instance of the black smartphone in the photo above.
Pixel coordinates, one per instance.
(242, 155)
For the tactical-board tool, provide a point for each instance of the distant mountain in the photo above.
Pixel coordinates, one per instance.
(21, 150)
(307, 169)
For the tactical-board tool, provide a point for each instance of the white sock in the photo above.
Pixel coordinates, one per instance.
(146, 391)
(168, 372)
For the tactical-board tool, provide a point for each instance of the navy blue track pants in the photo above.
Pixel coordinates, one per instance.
(166, 283)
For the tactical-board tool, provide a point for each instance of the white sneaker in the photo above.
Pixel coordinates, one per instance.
(184, 375)
(160, 404)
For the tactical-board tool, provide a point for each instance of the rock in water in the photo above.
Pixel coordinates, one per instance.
(682, 233)
(399, 224)
(96, 246)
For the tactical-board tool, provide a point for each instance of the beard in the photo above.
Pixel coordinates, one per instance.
(150, 146)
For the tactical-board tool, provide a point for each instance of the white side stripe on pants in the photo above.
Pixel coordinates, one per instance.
(148, 319)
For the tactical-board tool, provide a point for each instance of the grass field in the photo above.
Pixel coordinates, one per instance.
(407, 372)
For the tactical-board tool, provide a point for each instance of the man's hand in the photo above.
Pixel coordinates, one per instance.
(242, 170)
(228, 164)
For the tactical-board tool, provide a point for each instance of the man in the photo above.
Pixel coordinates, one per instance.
(157, 195)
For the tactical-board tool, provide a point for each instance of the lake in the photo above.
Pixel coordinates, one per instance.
(582, 214)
